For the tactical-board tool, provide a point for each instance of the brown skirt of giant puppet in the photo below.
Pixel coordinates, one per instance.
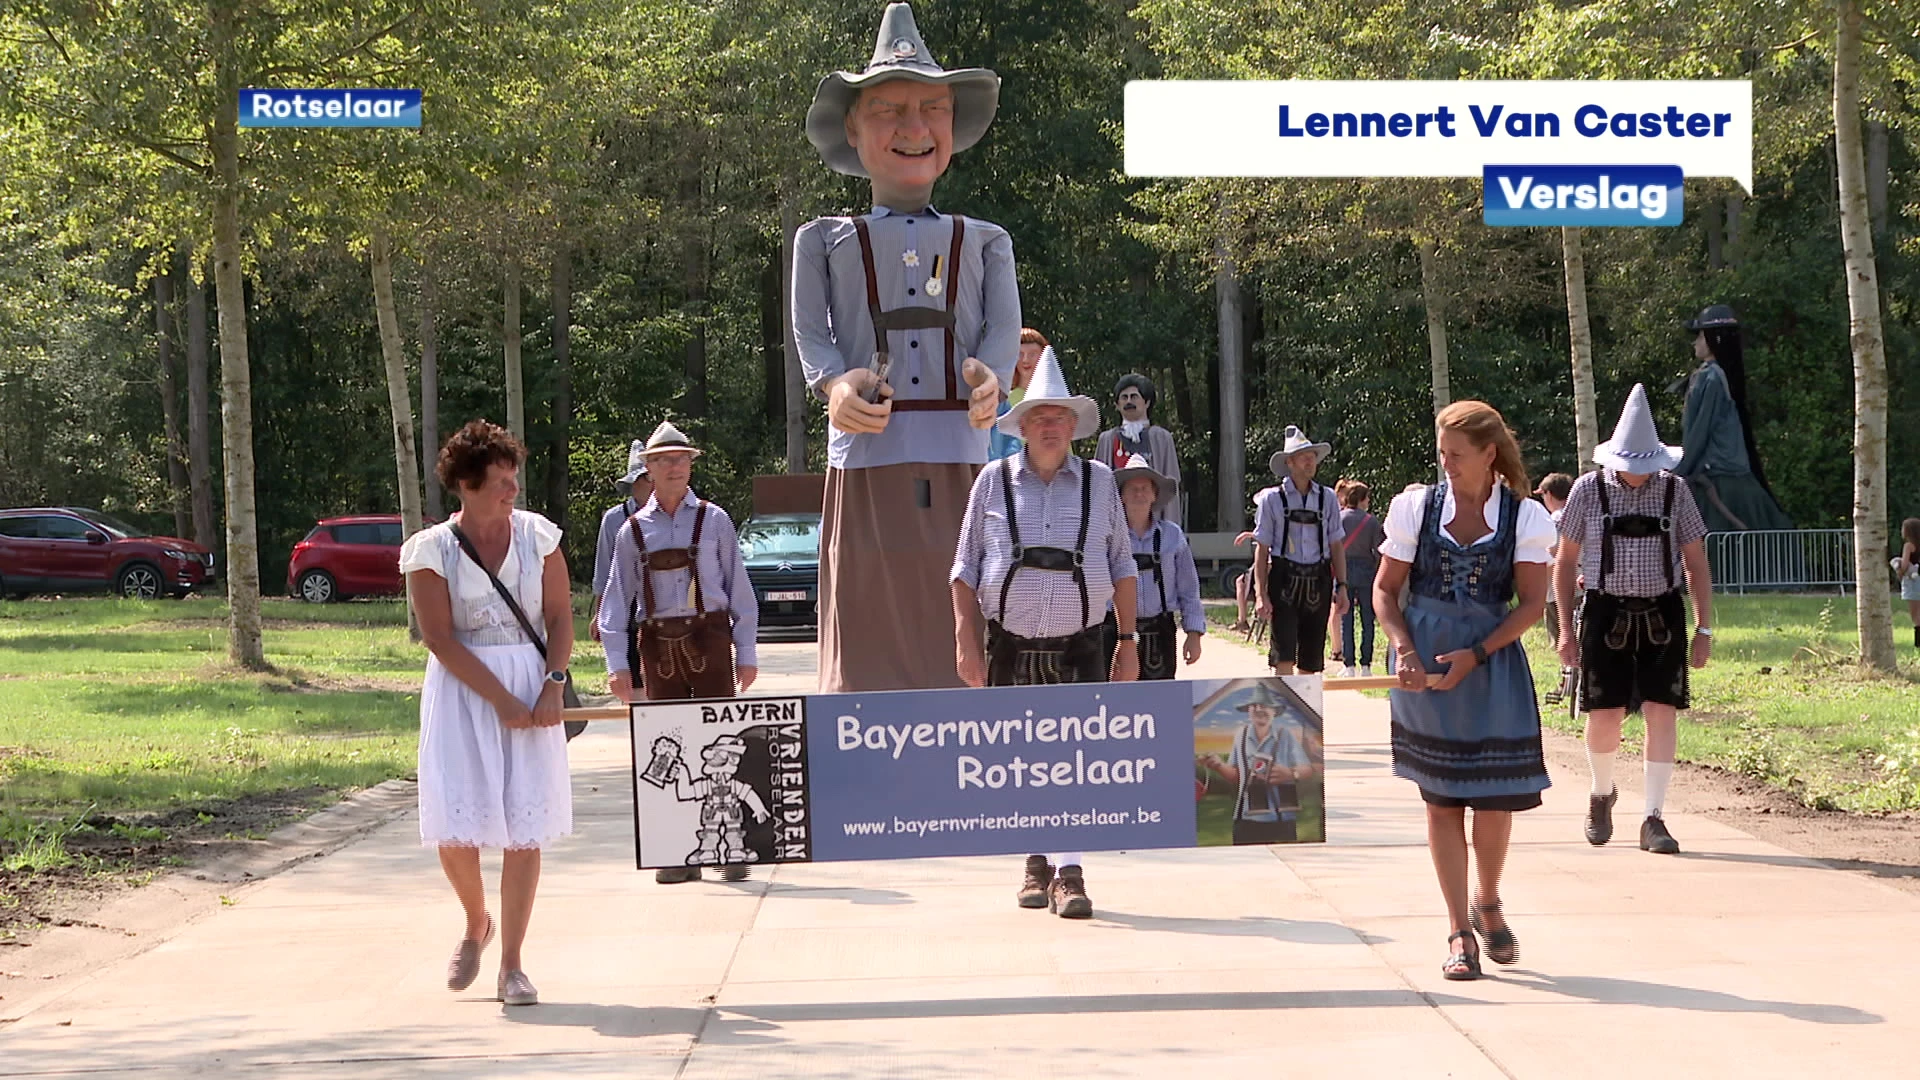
(887, 539)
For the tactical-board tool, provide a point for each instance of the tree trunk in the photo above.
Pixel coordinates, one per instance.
(1435, 302)
(1586, 426)
(429, 394)
(1736, 205)
(796, 378)
(773, 353)
(199, 441)
(510, 337)
(236, 382)
(1231, 515)
(399, 393)
(557, 460)
(1869, 352)
(170, 402)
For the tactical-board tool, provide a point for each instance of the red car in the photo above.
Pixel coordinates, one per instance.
(344, 557)
(66, 549)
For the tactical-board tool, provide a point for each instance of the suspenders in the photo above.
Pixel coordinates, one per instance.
(1637, 526)
(914, 317)
(670, 559)
(1048, 558)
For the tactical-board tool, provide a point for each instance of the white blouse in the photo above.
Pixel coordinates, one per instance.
(480, 616)
(1533, 526)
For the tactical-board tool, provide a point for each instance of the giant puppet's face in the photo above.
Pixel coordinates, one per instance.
(1133, 404)
(903, 131)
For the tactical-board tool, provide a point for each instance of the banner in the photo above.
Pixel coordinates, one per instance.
(997, 771)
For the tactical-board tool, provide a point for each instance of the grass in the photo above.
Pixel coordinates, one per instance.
(118, 711)
(1784, 702)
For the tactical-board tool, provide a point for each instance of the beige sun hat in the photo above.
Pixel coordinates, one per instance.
(1165, 487)
(1296, 442)
(667, 439)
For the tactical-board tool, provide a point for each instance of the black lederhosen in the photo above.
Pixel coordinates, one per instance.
(1159, 634)
(1072, 658)
(683, 656)
(1302, 594)
(1634, 649)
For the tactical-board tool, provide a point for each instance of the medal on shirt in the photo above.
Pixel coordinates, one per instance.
(934, 286)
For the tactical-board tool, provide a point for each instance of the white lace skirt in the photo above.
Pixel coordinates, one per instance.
(483, 784)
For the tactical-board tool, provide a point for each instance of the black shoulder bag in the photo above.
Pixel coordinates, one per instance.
(568, 696)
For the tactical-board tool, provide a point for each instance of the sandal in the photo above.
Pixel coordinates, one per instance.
(1502, 947)
(1461, 966)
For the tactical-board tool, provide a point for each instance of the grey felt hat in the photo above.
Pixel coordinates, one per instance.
(636, 467)
(1165, 487)
(1636, 447)
(898, 53)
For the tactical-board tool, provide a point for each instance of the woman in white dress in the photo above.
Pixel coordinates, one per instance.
(493, 755)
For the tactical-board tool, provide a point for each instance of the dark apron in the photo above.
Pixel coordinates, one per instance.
(1072, 658)
(682, 656)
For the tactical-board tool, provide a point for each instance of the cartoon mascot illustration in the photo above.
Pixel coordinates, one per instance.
(724, 802)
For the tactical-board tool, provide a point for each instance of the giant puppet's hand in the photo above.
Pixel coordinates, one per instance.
(983, 403)
(847, 405)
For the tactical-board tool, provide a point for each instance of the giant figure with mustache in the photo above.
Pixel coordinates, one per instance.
(907, 322)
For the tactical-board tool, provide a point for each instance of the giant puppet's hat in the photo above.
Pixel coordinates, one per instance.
(898, 53)
(1636, 447)
(1713, 316)
(1049, 387)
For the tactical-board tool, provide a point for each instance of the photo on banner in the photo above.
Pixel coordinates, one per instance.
(995, 771)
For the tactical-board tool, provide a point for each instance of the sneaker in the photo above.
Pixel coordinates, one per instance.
(515, 988)
(1600, 818)
(1347, 672)
(1068, 896)
(1033, 887)
(734, 872)
(1654, 837)
(674, 875)
(1366, 671)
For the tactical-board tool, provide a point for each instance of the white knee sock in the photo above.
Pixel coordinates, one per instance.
(1602, 765)
(1064, 859)
(1659, 775)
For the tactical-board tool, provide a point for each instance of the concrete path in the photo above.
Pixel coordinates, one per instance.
(1734, 959)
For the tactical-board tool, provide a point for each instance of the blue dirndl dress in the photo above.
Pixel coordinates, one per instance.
(1478, 744)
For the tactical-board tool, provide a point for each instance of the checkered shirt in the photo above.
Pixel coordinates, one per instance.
(1636, 562)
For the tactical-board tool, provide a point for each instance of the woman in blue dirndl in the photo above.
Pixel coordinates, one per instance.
(1470, 739)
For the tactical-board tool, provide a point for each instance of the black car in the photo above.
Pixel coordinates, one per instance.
(782, 553)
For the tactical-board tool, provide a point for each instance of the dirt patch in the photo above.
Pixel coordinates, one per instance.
(1883, 847)
(112, 854)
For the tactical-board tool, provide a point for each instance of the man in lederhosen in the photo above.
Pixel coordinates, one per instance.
(1167, 591)
(634, 489)
(1265, 766)
(1042, 552)
(1299, 564)
(679, 606)
(1631, 528)
(907, 322)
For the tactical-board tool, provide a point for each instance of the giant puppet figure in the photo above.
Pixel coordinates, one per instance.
(1721, 463)
(907, 321)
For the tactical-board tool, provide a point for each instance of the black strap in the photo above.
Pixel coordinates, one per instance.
(1079, 546)
(513, 605)
(1159, 569)
(1666, 533)
(1606, 534)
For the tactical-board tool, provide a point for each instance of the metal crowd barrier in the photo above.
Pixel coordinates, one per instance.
(1788, 560)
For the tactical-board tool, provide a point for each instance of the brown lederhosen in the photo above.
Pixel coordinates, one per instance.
(685, 656)
(887, 532)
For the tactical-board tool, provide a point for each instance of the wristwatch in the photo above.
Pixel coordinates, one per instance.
(1131, 635)
(1703, 631)
(1480, 653)
(557, 677)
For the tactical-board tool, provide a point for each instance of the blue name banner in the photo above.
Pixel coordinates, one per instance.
(997, 771)
(1596, 195)
(329, 108)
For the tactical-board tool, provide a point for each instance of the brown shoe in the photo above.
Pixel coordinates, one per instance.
(1033, 887)
(674, 875)
(733, 872)
(1068, 896)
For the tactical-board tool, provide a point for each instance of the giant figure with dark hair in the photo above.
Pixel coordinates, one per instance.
(1721, 463)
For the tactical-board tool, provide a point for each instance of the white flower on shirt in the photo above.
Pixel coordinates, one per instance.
(910, 257)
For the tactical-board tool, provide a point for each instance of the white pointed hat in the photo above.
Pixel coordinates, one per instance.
(666, 439)
(1165, 486)
(636, 466)
(1049, 387)
(1636, 447)
(1296, 442)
